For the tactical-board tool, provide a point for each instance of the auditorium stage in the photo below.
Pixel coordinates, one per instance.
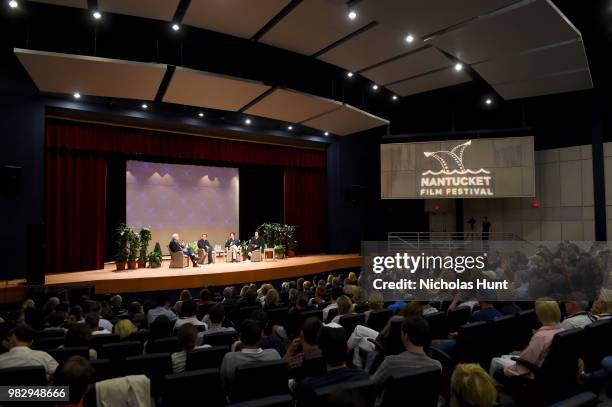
(164, 278)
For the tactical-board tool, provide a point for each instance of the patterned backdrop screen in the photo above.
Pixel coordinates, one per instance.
(186, 199)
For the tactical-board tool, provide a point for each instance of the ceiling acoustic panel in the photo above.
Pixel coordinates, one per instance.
(368, 48)
(312, 26)
(416, 63)
(546, 85)
(241, 18)
(292, 106)
(64, 73)
(435, 80)
(569, 56)
(528, 25)
(156, 9)
(204, 89)
(65, 3)
(424, 17)
(346, 120)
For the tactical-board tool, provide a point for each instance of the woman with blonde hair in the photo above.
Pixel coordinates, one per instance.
(549, 315)
(345, 307)
(124, 328)
(471, 386)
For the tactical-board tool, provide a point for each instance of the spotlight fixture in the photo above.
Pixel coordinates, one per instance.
(97, 15)
(176, 27)
(289, 127)
(247, 121)
(13, 4)
(458, 67)
(145, 106)
(349, 74)
(352, 15)
(375, 87)
(489, 101)
(409, 38)
(326, 133)
(201, 114)
(394, 97)
(76, 95)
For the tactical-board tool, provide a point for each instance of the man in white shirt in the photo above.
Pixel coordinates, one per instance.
(162, 308)
(20, 354)
(576, 311)
(188, 311)
(102, 322)
(92, 320)
(335, 294)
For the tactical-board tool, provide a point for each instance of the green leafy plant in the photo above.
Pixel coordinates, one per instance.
(133, 245)
(193, 246)
(244, 248)
(155, 257)
(290, 234)
(145, 239)
(122, 234)
(279, 250)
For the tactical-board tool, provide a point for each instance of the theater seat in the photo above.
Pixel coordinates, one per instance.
(220, 339)
(183, 389)
(474, 343)
(121, 350)
(421, 386)
(324, 396)
(206, 358)
(163, 345)
(105, 370)
(437, 325)
(331, 314)
(260, 380)
(350, 321)
(457, 317)
(503, 334)
(377, 319)
(277, 316)
(273, 401)
(586, 399)
(155, 366)
(23, 376)
(48, 343)
(61, 354)
(50, 333)
(142, 335)
(97, 341)
(597, 344)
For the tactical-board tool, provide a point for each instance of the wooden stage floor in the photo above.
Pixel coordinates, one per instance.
(164, 278)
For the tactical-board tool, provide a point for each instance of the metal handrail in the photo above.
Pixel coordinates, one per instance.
(447, 240)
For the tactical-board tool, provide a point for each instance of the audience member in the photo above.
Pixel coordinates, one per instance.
(77, 374)
(215, 325)
(471, 386)
(20, 354)
(304, 347)
(487, 312)
(124, 328)
(160, 328)
(576, 311)
(188, 312)
(116, 303)
(162, 308)
(187, 335)
(93, 321)
(79, 335)
(336, 293)
(345, 307)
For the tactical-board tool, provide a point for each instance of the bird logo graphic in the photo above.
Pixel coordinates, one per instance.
(452, 158)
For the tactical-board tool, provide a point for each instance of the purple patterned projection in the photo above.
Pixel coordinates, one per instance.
(186, 199)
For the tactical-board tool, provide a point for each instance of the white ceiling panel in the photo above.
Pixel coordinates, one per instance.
(528, 25)
(156, 9)
(203, 89)
(424, 17)
(346, 120)
(63, 73)
(431, 81)
(241, 18)
(312, 26)
(419, 62)
(546, 85)
(569, 56)
(292, 106)
(373, 46)
(66, 3)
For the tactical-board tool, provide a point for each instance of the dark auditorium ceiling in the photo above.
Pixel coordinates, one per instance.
(287, 62)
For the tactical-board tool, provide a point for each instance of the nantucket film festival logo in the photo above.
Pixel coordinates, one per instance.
(454, 179)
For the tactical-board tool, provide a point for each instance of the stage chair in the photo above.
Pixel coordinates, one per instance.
(202, 256)
(178, 260)
(260, 380)
(256, 255)
(61, 354)
(378, 319)
(155, 366)
(23, 376)
(228, 255)
(421, 385)
(273, 401)
(179, 389)
(206, 358)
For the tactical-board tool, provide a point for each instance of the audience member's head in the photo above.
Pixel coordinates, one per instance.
(471, 386)
(206, 295)
(116, 301)
(162, 301)
(251, 331)
(415, 333)
(76, 314)
(376, 301)
(92, 320)
(50, 305)
(412, 309)
(548, 312)
(185, 295)
(188, 308)
(78, 335)
(217, 314)
(251, 294)
(134, 308)
(21, 335)
(302, 301)
(161, 327)
(336, 293)
(56, 319)
(310, 330)
(332, 342)
(578, 303)
(345, 305)
(272, 297)
(124, 328)
(29, 303)
(320, 292)
(228, 292)
(77, 373)
(187, 335)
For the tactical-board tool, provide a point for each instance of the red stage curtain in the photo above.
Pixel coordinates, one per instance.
(304, 206)
(75, 210)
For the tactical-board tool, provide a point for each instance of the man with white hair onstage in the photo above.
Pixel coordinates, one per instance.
(176, 246)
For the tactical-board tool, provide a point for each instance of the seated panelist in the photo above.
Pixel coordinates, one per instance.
(256, 243)
(233, 245)
(176, 245)
(205, 245)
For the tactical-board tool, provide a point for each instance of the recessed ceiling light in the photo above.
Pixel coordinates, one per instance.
(97, 15)
(394, 97)
(176, 27)
(247, 121)
(326, 133)
(201, 114)
(409, 38)
(289, 127)
(349, 74)
(375, 87)
(13, 4)
(76, 95)
(352, 15)
(489, 101)
(458, 66)
(145, 106)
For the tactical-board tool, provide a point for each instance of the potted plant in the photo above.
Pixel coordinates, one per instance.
(121, 256)
(279, 251)
(244, 250)
(155, 257)
(145, 239)
(133, 249)
(291, 242)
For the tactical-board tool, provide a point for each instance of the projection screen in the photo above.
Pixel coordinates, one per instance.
(186, 199)
(472, 168)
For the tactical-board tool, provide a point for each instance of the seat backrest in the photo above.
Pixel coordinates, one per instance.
(163, 345)
(560, 366)
(142, 335)
(23, 376)
(526, 322)
(457, 317)
(277, 316)
(203, 310)
(360, 390)
(473, 343)
(350, 321)
(331, 314)
(392, 343)
(220, 338)
(155, 366)
(361, 308)
(121, 350)
(51, 333)
(97, 341)
(272, 401)
(262, 379)
(179, 388)
(585, 399)
(206, 358)
(437, 325)
(105, 370)
(243, 313)
(317, 313)
(61, 354)
(48, 343)
(597, 343)
(503, 331)
(421, 385)
(377, 319)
